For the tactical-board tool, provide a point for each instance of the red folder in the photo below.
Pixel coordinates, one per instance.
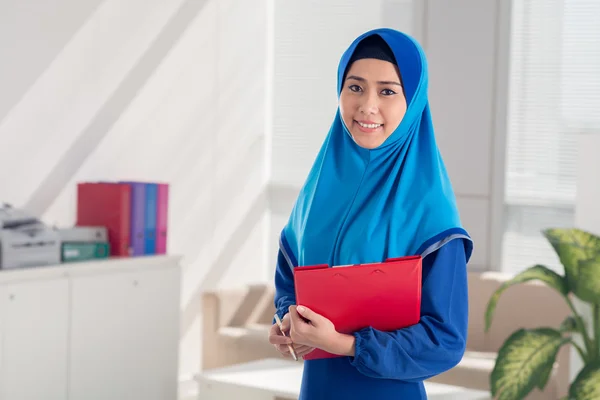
(385, 296)
(109, 205)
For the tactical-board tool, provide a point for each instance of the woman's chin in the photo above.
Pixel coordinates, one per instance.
(368, 141)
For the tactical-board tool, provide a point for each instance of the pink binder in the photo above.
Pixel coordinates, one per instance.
(162, 216)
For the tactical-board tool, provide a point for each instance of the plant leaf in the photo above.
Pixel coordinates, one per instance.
(579, 253)
(588, 285)
(524, 361)
(544, 376)
(569, 325)
(537, 272)
(587, 384)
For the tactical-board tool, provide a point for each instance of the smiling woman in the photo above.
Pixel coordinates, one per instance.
(378, 189)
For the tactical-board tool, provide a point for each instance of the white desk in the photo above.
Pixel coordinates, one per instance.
(280, 379)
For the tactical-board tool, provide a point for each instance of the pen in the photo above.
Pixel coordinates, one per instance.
(292, 351)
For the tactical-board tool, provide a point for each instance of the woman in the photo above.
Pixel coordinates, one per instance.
(378, 189)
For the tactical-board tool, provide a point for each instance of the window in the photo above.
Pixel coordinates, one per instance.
(554, 95)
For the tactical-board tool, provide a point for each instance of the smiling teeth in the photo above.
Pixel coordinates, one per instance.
(370, 126)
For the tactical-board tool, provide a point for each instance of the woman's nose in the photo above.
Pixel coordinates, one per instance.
(369, 104)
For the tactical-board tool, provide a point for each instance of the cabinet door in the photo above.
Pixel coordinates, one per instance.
(34, 340)
(125, 335)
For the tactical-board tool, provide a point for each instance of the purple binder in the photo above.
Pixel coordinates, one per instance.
(138, 203)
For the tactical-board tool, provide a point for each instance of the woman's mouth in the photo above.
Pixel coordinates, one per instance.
(368, 126)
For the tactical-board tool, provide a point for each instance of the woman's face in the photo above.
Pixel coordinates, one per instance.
(372, 102)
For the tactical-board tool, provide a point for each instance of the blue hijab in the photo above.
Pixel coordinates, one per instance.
(365, 205)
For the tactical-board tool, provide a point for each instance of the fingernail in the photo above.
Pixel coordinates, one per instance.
(301, 309)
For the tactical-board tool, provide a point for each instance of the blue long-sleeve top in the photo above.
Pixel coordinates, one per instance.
(393, 365)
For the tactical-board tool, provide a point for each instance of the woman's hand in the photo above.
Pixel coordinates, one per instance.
(281, 342)
(311, 329)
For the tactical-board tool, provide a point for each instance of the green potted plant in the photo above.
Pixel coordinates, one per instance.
(526, 358)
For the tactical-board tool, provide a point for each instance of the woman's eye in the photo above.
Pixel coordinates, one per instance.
(388, 92)
(355, 88)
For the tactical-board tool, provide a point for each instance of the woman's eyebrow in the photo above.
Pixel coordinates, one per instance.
(358, 78)
(389, 83)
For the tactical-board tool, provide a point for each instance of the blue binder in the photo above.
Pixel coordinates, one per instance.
(150, 218)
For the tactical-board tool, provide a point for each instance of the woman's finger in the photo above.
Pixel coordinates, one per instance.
(284, 350)
(304, 350)
(285, 323)
(299, 349)
(274, 330)
(279, 339)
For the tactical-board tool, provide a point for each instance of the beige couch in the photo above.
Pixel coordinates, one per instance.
(236, 324)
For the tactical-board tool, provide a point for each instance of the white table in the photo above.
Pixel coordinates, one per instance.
(279, 379)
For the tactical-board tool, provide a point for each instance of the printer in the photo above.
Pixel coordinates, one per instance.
(25, 241)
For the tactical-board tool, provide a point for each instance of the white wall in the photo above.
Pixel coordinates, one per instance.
(151, 90)
(466, 42)
(587, 213)
(587, 216)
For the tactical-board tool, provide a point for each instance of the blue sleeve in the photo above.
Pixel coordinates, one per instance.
(285, 294)
(437, 343)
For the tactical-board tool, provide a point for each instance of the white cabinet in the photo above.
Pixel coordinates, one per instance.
(34, 327)
(125, 331)
(97, 330)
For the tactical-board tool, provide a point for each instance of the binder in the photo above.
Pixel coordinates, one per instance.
(162, 216)
(137, 224)
(150, 218)
(385, 296)
(80, 251)
(108, 205)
